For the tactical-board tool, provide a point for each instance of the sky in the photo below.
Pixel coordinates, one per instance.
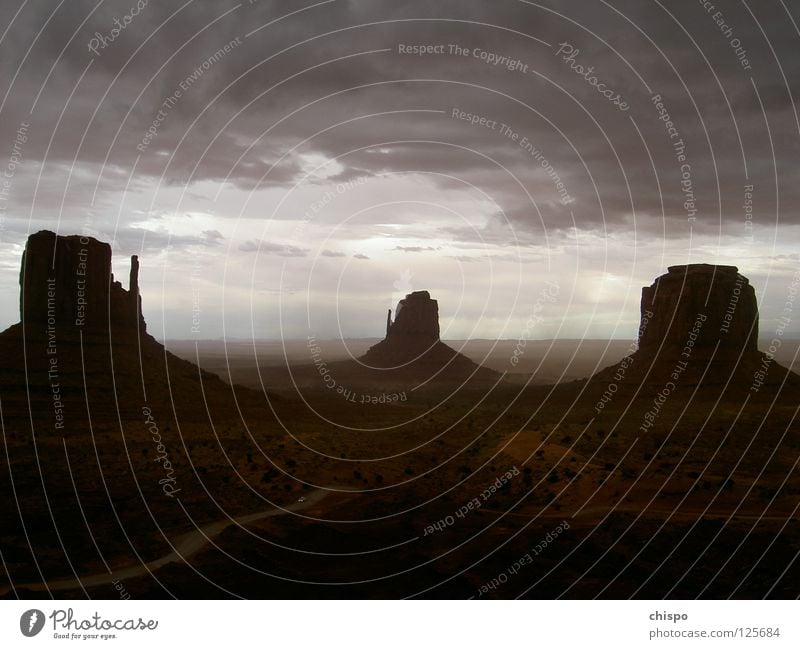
(292, 169)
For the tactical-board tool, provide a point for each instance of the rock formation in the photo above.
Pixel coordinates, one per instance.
(82, 347)
(94, 410)
(412, 349)
(66, 282)
(416, 320)
(717, 299)
(699, 324)
(414, 332)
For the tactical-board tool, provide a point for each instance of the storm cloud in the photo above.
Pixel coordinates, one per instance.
(484, 146)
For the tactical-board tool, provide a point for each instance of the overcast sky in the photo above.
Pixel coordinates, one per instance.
(293, 168)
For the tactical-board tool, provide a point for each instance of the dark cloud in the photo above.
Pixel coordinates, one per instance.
(194, 102)
(270, 248)
(415, 248)
(245, 116)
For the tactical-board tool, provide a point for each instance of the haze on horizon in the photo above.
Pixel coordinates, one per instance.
(316, 171)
